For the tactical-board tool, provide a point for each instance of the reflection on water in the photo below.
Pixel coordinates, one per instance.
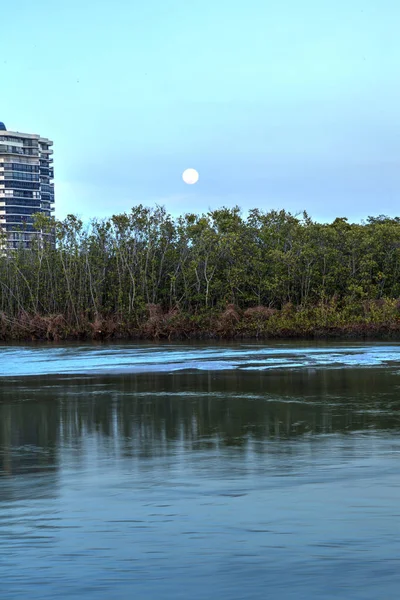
(197, 483)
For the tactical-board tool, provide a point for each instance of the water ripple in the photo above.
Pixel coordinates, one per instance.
(91, 359)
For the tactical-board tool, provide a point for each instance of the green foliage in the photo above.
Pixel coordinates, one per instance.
(313, 275)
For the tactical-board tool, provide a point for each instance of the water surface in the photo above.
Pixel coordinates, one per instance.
(173, 471)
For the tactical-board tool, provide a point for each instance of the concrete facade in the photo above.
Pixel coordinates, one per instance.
(26, 185)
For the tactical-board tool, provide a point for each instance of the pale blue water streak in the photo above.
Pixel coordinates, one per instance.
(44, 360)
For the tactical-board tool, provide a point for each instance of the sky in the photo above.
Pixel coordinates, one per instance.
(286, 104)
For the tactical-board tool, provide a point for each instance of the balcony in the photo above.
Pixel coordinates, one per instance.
(17, 151)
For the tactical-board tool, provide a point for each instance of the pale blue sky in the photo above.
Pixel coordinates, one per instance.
(291, 104)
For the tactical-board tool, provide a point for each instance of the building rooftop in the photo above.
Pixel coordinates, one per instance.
(2, 127)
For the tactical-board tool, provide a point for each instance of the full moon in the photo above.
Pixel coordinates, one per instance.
(190, 176)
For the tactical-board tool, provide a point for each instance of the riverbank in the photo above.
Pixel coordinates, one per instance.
(368, 320)
(147, 275)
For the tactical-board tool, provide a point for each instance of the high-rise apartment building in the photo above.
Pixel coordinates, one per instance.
(26, 185)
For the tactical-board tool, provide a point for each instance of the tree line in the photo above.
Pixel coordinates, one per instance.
(144, 269)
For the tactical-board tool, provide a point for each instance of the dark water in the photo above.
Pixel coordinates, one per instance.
(175, 472)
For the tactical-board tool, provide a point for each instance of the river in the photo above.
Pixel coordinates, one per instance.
(171, 471)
